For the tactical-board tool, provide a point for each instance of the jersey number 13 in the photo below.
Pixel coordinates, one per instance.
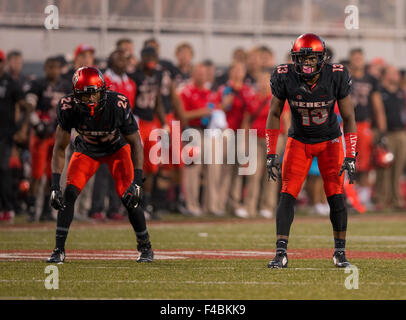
(316, 116)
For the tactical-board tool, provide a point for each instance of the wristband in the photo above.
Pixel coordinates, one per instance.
(271, 140)
(350, 144)
(56, 177)
(138, 176)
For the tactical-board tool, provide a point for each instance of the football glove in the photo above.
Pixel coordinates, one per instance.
(349, 165)
(272, 162)
(40, 130)
(132, 197)
(56, 199)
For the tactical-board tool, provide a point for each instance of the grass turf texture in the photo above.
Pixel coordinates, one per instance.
(204, 278)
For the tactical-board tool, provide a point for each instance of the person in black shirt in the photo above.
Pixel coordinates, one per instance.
(14, 67)
(387, 193)
(108, 133)
(311, 87)
(184, 55)
(369, 112)
(43, 94)
(11, 96)
(173, 110)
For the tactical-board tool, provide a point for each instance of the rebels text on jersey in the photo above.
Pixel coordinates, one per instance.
(313, 117)
(102, 134)
(148, 89)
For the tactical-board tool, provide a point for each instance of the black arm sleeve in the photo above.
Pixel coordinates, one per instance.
(129, 124)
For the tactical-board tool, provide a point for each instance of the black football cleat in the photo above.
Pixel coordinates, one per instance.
(144, 247)
(339, 259)
(57, 256)
(280, 261)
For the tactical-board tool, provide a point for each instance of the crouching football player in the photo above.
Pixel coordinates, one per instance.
(311, 87)
(108, 133)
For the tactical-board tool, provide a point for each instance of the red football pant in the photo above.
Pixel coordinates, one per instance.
(82, 168)
(41, 156)
(298, 159)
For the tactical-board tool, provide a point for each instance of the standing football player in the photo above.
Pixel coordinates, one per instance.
(44, 94)
(311, 87)
(147, 105)
(108, 133)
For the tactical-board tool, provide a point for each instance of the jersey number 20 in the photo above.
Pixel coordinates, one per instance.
(316, 116)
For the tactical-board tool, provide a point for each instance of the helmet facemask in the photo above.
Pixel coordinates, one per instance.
(85, 102)
(305, 68)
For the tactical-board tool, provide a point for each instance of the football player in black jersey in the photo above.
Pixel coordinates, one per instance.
(168, 173)
(44, 94)
(311, 87)
(148, 107)
(11, 100)
(369, 115)
(108, 133)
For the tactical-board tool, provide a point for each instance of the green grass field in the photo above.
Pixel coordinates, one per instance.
(216, 259)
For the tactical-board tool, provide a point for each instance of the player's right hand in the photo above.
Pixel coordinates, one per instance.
(56, 199)
(273, 163)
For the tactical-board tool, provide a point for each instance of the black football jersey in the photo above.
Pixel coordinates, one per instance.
(10, 93)
(44, 96)
(169, 72)
(313, 117)
(394, 103)
(102, 134)
(148, 89)
(361, 96)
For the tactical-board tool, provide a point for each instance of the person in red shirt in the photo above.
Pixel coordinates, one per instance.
(199, 103)
(260, 194)
(116, 77)
(242, 98)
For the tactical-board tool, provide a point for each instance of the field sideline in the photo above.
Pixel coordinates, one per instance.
(208, 258)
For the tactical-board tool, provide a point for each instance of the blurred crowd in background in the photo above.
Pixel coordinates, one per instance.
(198, 94)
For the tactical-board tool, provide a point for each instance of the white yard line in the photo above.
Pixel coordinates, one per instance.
(199, 282)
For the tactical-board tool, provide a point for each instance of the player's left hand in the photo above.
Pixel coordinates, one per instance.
(132, 197)
(272, 162)
(349, 165)
(56, 199)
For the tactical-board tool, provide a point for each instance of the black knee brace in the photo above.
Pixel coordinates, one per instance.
(137, 219)
(285, 214)
(338, 212)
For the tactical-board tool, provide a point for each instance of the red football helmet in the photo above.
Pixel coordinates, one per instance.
(86, 81)
(383, 158)
(305, 45)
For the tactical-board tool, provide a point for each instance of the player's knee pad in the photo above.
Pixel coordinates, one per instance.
(285, 214)
(71, 194)
(338, 212)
